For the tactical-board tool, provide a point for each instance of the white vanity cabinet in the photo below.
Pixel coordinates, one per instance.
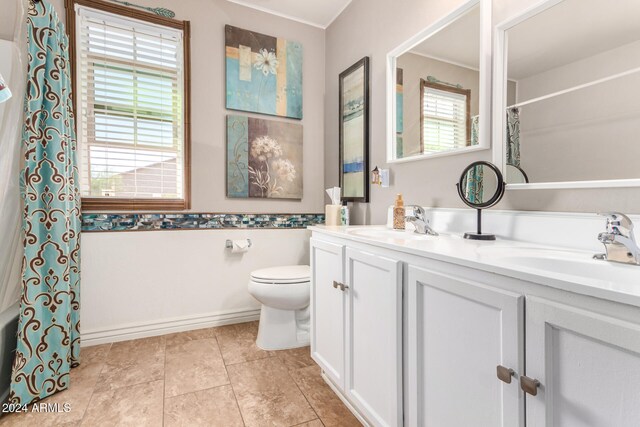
(356, 336)
(587, 364)
(328, 309)
(459, 332)
(408, 338)
(374, 336)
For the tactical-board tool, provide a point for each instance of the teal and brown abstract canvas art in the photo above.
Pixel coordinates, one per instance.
(264, 73)
(264, 158)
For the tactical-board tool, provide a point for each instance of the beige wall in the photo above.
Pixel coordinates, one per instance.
(373, 28)
(416, 67)
(8, 18)
(208, 18)
(584, 127)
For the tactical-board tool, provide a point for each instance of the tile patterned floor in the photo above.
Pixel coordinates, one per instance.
(208, 377)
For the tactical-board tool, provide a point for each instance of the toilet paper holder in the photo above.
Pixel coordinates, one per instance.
(229, 244)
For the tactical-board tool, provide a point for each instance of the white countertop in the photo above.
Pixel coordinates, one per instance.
(565, 269)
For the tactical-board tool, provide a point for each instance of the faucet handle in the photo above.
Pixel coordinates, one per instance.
(618, 223)
(418, 212)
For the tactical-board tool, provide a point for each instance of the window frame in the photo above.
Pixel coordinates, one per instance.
(139, 204)
(445, 88)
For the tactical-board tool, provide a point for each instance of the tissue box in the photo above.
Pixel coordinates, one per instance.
(332, 215)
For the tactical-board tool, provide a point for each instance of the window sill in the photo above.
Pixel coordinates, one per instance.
(115, 204)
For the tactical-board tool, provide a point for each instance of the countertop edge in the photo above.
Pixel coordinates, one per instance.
(534, 276)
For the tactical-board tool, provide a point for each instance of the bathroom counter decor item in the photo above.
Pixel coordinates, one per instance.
(354, 132)
(264, 73)
(264, 158)
(398, 213)
(481, 186)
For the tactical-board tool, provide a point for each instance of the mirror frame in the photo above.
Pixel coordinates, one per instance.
(484, 125)
(499, 98)
(497, 196)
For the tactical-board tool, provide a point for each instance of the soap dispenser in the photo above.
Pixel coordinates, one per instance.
(398, 213)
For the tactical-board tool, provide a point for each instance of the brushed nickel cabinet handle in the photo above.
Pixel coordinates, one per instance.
(336, 285)
(529, 385)
(343, 287)
(505, 374)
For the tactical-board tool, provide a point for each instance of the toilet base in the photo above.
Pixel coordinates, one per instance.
(283, 329)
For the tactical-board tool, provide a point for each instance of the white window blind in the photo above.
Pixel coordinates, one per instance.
(130, 86)
(445, 120)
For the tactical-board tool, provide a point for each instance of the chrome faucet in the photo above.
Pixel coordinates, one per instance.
(420, 221)
(618, 240)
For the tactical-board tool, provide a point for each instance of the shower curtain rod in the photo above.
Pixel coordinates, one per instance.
(575, 88)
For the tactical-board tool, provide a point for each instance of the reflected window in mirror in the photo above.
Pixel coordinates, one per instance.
(445, 116)
(570, 104)
(439, 85)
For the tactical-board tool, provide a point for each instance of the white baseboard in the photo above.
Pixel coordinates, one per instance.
(167, 326)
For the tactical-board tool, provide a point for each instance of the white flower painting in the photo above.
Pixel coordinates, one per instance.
(264, 158)
(266, 62)
(263, 73)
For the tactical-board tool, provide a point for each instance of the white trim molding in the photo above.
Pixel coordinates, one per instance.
(291, 17)
(499, 89)
(485, 80)
(167, 326)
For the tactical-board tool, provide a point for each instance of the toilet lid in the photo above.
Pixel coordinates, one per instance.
(284, 274)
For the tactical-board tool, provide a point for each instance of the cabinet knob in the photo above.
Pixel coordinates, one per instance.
(343, 287)
(505, 374)
(529, 385)
(336, 285)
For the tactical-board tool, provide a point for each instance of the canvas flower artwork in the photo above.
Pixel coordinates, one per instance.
(264, 158)
(263, 73)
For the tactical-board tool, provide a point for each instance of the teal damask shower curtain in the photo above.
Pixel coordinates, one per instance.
(48, 333)
(475, 188)
(513, 136)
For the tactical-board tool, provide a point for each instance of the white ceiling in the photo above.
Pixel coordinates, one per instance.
(570, 31)
(319, 13)
(458, 43)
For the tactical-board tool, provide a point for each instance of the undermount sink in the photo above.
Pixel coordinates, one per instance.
(573, 263)
(387, 233)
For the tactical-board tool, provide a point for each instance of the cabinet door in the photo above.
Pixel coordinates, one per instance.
(588, 366)
(458, 333)
(328, 309)
(374, 337)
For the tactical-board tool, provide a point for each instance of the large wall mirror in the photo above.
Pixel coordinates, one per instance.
(438, 87)
(567, 91)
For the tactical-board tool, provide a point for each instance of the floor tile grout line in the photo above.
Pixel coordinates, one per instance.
(233, 390)
(235, 396)
(207, 388)
(93, 390)
(304, 395)
(164, 380)
(198, 391)
(247, 361)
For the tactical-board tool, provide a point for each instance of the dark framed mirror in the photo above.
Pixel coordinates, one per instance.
(481, 186)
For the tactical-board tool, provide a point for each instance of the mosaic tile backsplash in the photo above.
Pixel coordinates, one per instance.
(191, 221)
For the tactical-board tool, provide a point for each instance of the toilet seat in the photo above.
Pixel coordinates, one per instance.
(285, 275)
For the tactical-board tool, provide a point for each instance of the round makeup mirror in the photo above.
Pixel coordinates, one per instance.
(481, 186)
(515, 175)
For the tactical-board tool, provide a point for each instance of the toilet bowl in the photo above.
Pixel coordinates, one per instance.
(284, 293)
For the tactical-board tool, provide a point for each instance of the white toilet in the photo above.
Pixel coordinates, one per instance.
(284, 293)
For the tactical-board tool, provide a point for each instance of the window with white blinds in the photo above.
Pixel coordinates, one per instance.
(130, 107)
(445, 119)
